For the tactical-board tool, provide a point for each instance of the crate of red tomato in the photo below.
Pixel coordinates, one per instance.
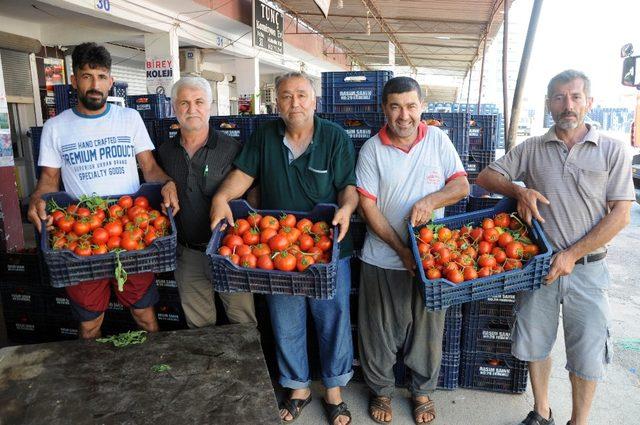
(478, 255)
(276, 252)
(96, 238)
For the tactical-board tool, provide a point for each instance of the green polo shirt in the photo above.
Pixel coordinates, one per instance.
(316, 176)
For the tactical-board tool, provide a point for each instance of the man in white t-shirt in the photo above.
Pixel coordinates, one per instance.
(407, 171)
(94, 148)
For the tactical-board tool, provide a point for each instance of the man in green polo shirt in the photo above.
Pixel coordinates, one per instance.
(299, 161)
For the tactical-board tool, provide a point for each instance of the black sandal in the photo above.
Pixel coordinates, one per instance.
(334, 410)
(294, 406)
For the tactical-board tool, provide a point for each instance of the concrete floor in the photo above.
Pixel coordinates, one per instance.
(617, 400)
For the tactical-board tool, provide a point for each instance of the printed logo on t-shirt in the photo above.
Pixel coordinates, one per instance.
(433, 177)
(98, 158)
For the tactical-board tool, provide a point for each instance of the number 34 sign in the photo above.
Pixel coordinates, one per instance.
(104, 5)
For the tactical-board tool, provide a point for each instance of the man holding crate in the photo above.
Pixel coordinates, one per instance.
(579, 186)
(198, 158)
(94, 148)
(408, 170)
(299, 161)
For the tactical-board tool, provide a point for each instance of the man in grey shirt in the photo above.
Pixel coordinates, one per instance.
(198, 158)
(579, 186)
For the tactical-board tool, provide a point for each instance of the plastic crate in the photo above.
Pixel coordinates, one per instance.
(170, 314)
(478, 160)
(22, 266)
(167, 285)
(358, 230)
(493, 372)
(441, 293)
(355, 274)
(26, 327)
(449, 371)
(354, 91)
(359, 126)
(66, 268)
(22, 296)
(260, 119)
(119, 89)
(483, 132)
(455, 125)
(485, 334)
(65, 97)
(150, 125)
(34, 134)
(238, 127)
(62, 327)
(479, 198)
(457, 208)
(500, 306)
(150, 106)
(318, 281)
(57, 303)
(166, 129)
(452, 330)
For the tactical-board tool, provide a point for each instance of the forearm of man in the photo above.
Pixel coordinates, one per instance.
(48, 182)
(348, 199)
(379, 224)
(451, 193)
(617, 219)
(233, 186)
(495, 182)
(151, 171)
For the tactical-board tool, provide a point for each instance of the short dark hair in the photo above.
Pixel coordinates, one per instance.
(400, 85)
(90, 54)
(567, 76)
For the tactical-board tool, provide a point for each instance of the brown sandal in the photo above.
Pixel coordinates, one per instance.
(420, 408)
(381, 404)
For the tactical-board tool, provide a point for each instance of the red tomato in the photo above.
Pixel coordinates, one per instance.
(99, 249)
(444, 234)
(232, 241)
(243, 250)
(305, 241)
(530, 250)
(428, 261)
(265, 262)
(150, 236)
(304, 225)
(83, 212)
(437, 246)
(141, 201)
(161, 223)
(94, 221)
(59, 242)
(100, 236)
(484, 247)
(476, 233)
(423, 248)
(502, 220)
(488, 223)
(128, 243)
(240, 227)
(125, 202)
(288, 220)
(433, 273)
(455, 276)
(224, 251)
(304, 262)
(254, 219)
(269, 222)
(324, 243)
(66, 223)
(512, 264)
(443, 256)
(505, 239)
(83, 249)
(291, 233)
(115, 211)
(499, 255)
(71, 245)
(278, 243)
(267, 234)
(285, 261)
(514, 250)
(315, 252)
(425, 235)
(486, 260)
(465, 261)
(248, 261)
(250, 236)
(484, 272)
(100, 214)
(81, 228)
(449, 267)
(469, 273)
(114, 228)
(260, 250)
(491, 235)
(235, 259)
(57, 215)
(113, 242)
(471, 252)
(153, 214)
(134, 211)
(320, 228)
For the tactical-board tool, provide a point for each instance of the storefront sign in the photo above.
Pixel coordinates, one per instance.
(268, 27)
(159, 75)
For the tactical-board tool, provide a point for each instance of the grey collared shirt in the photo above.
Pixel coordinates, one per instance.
(578, 183)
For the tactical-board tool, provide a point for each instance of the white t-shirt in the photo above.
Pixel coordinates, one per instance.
(96, 153)
(396, 180)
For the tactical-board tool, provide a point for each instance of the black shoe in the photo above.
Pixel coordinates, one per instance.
(533, 418)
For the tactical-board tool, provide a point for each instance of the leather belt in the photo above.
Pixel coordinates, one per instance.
(197, 246)
(591, 258)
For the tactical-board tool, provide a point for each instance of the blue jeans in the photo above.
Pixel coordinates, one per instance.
(333, 326)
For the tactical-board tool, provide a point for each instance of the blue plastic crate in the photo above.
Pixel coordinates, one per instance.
(119, 89)
(354, 91)
(479, 198)
(441, 293)
(22, 296)
(151, 106)
(455, 125)
(65, 97)
(501, 306)
(27, 327)
(486, 334)
(493, 372)
(478, 161)
(359, 126)
(483, 132)
(260, 119)
(449, 371)
(318, 281)
(66, 268)
(239, 127)
(457, 208)
(150, 125)
(166, 129)
(452, 330)
(358, 230)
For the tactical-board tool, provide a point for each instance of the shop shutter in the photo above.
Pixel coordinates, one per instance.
(17, 73)
(136, 77)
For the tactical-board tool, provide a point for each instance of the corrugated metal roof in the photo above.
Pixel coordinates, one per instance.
(443, 35)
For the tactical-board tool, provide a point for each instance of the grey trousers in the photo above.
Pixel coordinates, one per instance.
(392, 317)
(193, 277)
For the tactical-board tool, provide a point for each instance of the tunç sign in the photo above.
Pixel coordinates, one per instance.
(268, 27)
